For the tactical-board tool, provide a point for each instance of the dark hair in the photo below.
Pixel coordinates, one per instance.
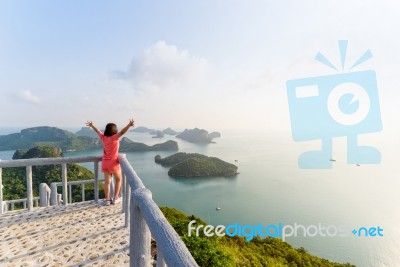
(111, 129)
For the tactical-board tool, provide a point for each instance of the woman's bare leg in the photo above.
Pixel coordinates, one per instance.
(118, 180)
(107, 181)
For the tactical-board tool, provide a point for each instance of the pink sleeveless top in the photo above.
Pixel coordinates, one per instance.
(110, 146)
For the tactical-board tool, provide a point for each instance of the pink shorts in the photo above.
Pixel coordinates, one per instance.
(110, 165)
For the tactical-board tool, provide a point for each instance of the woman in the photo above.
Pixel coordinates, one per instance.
(110, 164)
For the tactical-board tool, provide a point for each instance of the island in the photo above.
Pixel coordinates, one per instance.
(68, 141)
(127, 145)
(157, 134)
(169, 131)
(214, 135)
(86, 131)
(47, 136)
(197, 135)
(142, 129)
(196, 165)
(38, 152)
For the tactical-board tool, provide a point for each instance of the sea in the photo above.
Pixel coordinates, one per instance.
(271, 189)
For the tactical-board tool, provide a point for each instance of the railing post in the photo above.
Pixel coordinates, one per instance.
(127, 201)
(29, 191)
(44, 195)
(112, 183)
(64, 181)
(70, 194)
(53, 194)
(59, 198)
(1, 191)
(96, 181)
(123, 193)
(83, 192)
(140, 237)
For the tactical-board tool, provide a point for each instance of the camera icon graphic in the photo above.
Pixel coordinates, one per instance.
(344, 104)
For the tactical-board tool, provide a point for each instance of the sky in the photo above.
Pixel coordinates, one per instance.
(183, 64)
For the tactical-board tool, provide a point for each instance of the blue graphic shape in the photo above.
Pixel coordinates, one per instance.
(367, 55)
(321, 58)
(311, 118)
(343, 51)
(348, 105)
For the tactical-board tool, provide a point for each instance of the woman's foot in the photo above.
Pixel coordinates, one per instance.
(116, 201)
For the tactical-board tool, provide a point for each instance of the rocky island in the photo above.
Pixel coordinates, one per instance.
(142, 129)
(197, 135)
(127, 145)
(86, 131)
(157, 134)
(196, 165)
(47, 136)
(169, 131)
(38, 152)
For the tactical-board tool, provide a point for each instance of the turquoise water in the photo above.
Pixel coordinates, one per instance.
(270, 189)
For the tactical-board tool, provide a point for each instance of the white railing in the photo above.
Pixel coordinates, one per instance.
(9, 205)
(53, 191)
(141, 213)
(48, 195)
(28, 163)
(146, 220)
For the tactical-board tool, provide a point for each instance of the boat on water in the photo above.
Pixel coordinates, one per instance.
(218, 208)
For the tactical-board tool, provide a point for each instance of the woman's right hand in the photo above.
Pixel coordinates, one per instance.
(89, 123)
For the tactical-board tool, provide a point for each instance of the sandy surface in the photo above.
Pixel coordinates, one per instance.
(81, 234)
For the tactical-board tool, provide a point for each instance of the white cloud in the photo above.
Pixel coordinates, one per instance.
(28, 97)
(162, 67)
